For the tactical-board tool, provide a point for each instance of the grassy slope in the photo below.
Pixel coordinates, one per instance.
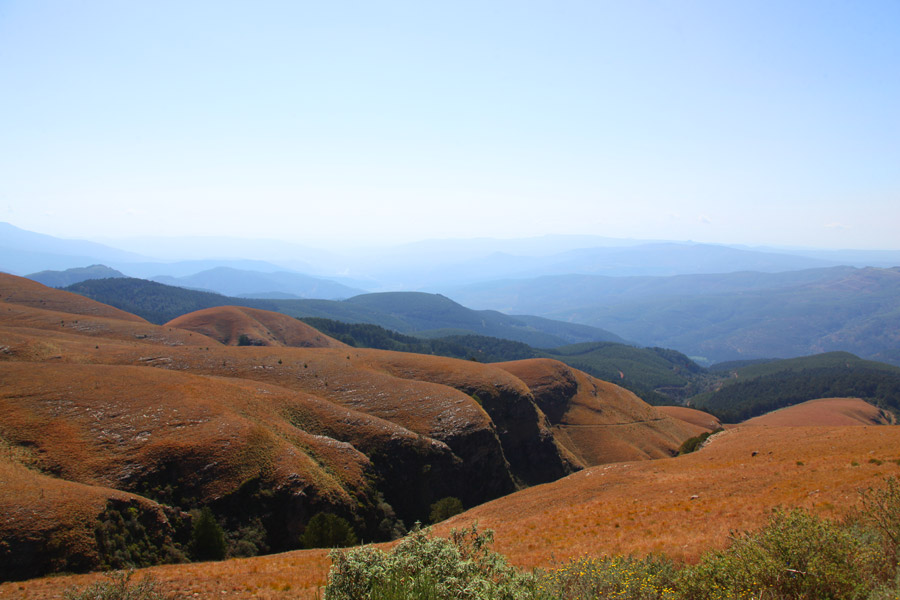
(422, 427)
(612, 509)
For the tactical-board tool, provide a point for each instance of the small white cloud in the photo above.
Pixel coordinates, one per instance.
(838, 226)
(704, 219)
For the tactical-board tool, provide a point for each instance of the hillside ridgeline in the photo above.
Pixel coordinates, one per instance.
(167, 420)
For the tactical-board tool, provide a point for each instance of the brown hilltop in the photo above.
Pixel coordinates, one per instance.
(261, 327)
(21, 316)
(19, 290)
(597, 421)
(703, 421)
(824, 412)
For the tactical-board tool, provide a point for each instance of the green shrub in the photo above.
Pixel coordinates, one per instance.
(797, 555)
(650, 578)
(691, 444)
(119, 587)
(462, 567)
(881, 510)
(326, 530)
(445, 508)
(124, 542)
(207, 537)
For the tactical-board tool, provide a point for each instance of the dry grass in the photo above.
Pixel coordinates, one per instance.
(596, 421)
(824, 412)
(19, 290)
(99, 328)
(613, 509)
(703, 420)
(265, 328)
(90, 400)
(682, 506)
(288, 576)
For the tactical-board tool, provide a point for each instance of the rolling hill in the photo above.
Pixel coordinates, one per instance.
(239, 325)
(828, 412)
(165, 420)
(405, 312)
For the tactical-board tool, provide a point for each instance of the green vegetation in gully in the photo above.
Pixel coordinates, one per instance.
(657, 375)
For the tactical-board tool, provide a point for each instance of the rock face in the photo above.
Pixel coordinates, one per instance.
(115, 425)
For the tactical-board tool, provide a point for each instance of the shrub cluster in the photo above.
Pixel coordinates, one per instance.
(462, 567)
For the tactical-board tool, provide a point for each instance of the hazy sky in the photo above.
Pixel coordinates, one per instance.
(749, 122)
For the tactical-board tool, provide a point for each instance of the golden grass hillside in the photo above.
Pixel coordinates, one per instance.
(703, 421)
(824, 411)
(273, 434)
(21, 316)
(261, 327)
(681, 506)
(598, 422)
(19, 290)
(685, 505)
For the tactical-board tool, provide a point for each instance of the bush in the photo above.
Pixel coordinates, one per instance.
(207, 537)
(650, 578)
(119, 587)
(326, 530)
(695, 443)
(462, 567)
(797, 555)
(445, 508)
(882, 511)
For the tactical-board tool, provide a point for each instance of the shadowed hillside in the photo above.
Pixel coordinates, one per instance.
(596, 421)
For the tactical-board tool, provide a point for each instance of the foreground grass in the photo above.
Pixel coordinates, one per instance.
(796, 555)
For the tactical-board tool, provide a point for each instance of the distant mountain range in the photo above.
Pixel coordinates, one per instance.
(715, 318)
(241, 282)
(712, 302)
(59, 279)
(413, 313)
(434, 265)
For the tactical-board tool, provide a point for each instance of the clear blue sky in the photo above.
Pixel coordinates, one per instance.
(746, 122)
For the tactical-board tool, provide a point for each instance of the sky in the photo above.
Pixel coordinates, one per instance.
(756, 122)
